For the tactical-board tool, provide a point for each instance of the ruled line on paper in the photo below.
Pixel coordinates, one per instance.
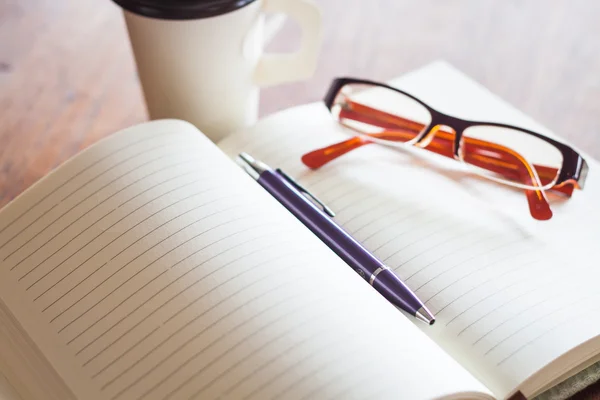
(199, 333)
(403, 218)
(451, 267)
(124, 353)
(196, 318)
(176, 314)
(539, 287)
(120, 220)
(315, 180)
(58, 187)
(418, 240)
(170, 179)
(402, 233)
(164, 287)
(141, 238)
(136, 258)
(536, 320)
(331, 343)
(386, 216)
(144, 268)
(492, 293)
(399, 233)
(459, 264)
(89, 258)
(323, 311)
(153, 312)
(353, 203)
(528, 309)
(102, 248)
(377, 207)
(344, 195)
(508, 301)
(78, 204)
(108, 229)
(76, 190)
(317, 367)
(381, 390)
(243, 341)
(346, 370)
(475, 271)
(98, 204)
(325, 194)
(535, 339)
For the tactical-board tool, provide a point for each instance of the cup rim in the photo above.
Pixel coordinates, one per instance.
(181, 9)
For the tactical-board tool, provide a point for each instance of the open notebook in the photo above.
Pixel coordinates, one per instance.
(151, 267)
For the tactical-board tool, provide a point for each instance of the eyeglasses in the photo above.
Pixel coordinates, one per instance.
(507, 154)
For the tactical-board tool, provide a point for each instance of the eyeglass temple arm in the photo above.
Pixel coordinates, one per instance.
(409, 129)
(537, 201)
(508, 162)
(525, 172)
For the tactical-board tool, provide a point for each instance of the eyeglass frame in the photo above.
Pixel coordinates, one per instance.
(574, 168)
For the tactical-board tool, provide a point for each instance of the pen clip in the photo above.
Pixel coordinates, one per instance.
(308, 194)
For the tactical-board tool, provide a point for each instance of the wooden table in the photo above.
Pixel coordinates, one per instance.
(67, 76)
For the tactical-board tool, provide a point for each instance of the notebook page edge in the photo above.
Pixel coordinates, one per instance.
(80, 389)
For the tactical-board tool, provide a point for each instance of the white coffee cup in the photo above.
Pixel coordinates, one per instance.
(202, 60)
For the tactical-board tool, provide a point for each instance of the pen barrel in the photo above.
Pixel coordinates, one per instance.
(321, 225)
(397, 293)
(338, 240)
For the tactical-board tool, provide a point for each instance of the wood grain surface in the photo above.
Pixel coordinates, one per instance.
(67, 76)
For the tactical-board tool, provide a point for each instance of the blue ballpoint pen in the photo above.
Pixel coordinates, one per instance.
(302, 205)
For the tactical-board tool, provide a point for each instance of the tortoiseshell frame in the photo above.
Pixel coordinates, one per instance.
(572, 172)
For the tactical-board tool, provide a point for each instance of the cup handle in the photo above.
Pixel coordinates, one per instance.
(273, 69)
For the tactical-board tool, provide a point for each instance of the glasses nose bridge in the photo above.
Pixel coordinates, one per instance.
(446, 125)
(433, 130)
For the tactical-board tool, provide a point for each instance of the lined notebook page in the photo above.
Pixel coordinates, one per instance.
(152, 267)
(510, 294)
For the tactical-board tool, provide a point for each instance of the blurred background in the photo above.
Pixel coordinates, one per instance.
(66, 66)
(543, 56)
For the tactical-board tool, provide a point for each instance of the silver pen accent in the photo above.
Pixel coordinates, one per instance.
(425, 315)
(375, 273)
(252, 166)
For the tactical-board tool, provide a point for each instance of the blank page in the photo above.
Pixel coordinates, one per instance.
(152, 267)
(511, 294)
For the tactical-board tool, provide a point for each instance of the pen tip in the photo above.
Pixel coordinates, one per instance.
(425, 315)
